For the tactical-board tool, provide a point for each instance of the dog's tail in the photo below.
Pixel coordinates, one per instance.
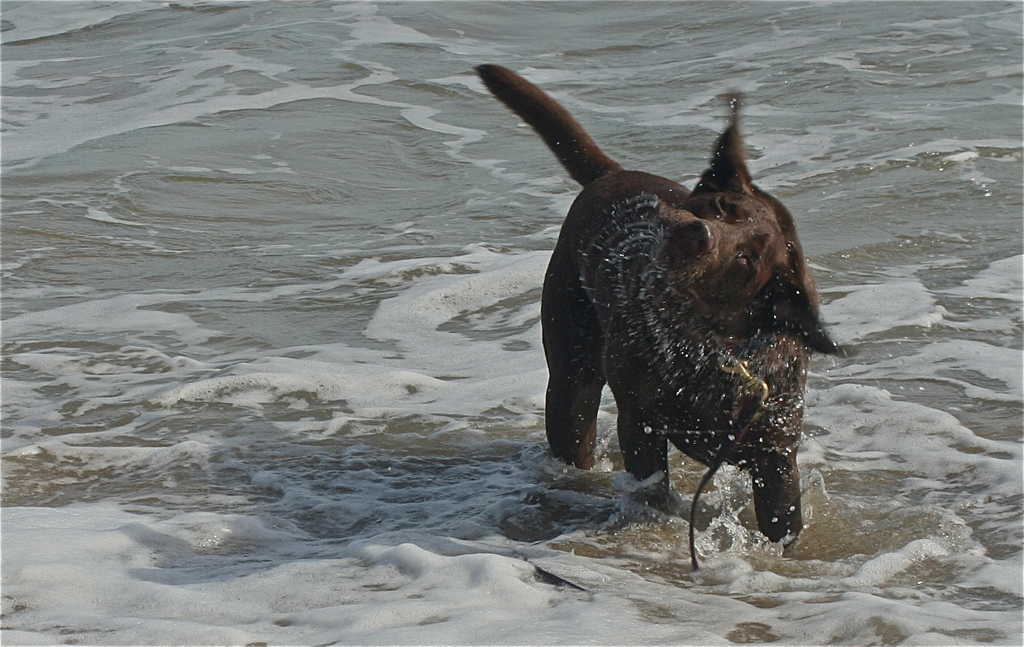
(564, 136)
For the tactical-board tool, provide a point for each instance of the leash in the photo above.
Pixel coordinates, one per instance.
(754, 394)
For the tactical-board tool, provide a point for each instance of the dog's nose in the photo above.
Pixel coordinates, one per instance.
(691, 239)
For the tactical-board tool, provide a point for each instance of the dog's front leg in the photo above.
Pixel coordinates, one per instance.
(645, 454)
(776, 482)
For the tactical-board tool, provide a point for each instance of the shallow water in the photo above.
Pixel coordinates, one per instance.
(271, 352)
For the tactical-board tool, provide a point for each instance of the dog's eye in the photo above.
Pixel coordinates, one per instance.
(746, 259)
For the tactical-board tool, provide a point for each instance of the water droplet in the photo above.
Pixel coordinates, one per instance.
(647, 429)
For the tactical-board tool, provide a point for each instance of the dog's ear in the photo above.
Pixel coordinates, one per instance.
(793, 302)
(728, 170)
(793, 310)
(792, 292)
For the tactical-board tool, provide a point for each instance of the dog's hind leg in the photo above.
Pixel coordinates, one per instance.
(574, 347)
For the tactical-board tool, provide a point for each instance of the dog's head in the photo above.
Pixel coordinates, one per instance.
(732, 250)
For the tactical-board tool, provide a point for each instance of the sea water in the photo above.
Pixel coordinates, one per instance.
(271, 348)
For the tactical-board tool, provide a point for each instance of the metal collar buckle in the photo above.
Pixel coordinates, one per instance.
(752, 383)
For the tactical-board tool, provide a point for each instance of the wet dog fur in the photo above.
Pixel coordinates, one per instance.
(651, 284)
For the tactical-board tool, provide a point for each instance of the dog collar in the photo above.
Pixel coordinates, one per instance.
(750, 346)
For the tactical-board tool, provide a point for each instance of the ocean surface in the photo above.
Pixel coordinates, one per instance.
(272, 369)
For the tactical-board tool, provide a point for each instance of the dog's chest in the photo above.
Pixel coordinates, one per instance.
(648, 332)
(659, 352)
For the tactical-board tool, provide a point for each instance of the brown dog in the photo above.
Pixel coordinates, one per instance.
(697, 309)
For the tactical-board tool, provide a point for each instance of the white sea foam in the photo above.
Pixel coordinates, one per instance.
(874, 308)
(27, 24)
(368, 593)
(161, 578)
(869, 429)
(322, 421)
(954, 362)
(1002, 279)
(124, 314)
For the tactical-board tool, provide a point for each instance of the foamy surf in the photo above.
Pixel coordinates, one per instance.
(272, 357)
